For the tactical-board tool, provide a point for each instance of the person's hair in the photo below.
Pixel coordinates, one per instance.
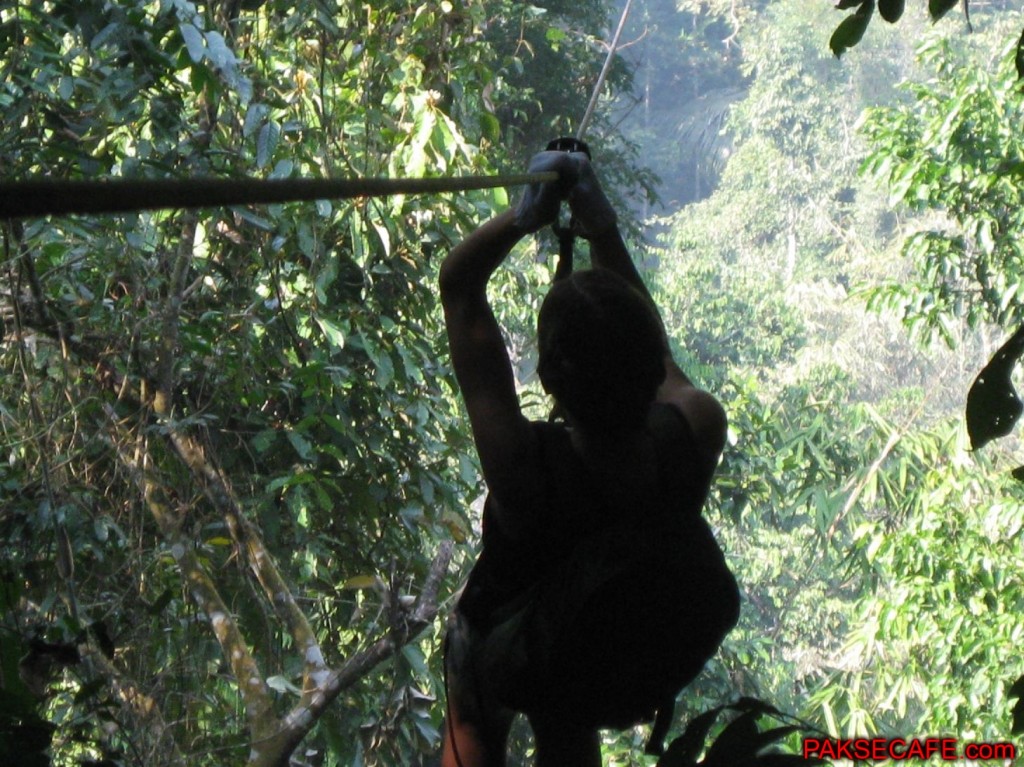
(601, 350)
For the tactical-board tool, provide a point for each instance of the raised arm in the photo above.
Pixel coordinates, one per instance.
(598, 223)
(503, 438)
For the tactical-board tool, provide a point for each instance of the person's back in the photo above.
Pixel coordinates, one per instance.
(600, 590)
(616, 594)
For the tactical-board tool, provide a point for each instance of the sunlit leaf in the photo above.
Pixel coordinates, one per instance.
(361, 582)
(219, 52)
(335, 335)
(194, 42)
(282, 685)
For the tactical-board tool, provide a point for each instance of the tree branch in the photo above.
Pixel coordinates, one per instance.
(215, 486)
(251, 685)
(273, 738)
(218, 490)
(298, 722)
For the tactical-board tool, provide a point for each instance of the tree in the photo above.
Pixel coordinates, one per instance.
(234, 429)
(853, 512)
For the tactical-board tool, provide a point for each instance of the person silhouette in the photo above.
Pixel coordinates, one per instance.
(600, 591)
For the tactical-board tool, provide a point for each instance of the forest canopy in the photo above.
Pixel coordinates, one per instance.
(238, 491)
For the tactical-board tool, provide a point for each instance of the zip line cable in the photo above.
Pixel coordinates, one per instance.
(50, 197)
(604, 73)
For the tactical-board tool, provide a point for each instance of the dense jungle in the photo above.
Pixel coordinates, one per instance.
(238, 491)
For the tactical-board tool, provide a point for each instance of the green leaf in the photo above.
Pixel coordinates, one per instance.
(555, 37)
(1011, 168)
(194, 42)
(255, 116)
(939, 8)
(993, 406)
(414, 657)
(302, 445)
(384, 236)
(266, 143)
(426, 729)
(219, 52)
(358, 582)
(890, 10)
(1018, 59)
(490, 127)
(685, 749)
(335, 335)
(852, 29)
(385, 369)
(283, 169)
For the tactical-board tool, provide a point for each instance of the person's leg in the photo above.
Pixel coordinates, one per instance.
(467, 743)
(560, 744)
(475, 731)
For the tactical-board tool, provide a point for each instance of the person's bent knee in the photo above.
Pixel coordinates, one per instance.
(476, 727)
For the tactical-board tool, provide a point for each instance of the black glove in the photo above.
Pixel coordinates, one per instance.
(591, 212)
(539, 206)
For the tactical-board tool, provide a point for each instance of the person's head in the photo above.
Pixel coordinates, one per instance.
(600, 348)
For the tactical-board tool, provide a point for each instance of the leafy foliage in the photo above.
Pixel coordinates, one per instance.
(297, 348)
(948, 153)
(189, 396)
(852, 28)
(854, 514)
